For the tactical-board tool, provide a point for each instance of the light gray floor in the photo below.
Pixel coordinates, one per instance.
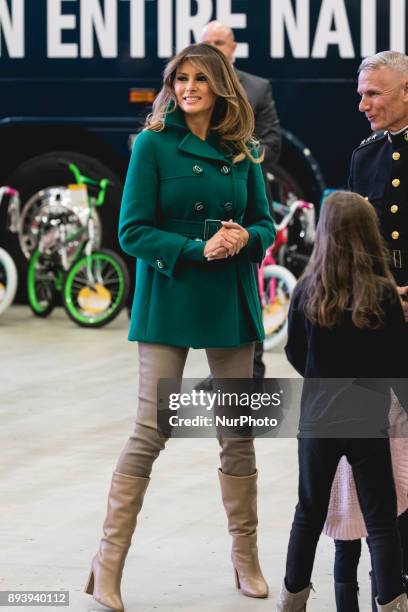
(68, 398)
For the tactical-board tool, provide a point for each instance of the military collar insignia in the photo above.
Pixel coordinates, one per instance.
(375, 137)
(400, 139)
(371, 138)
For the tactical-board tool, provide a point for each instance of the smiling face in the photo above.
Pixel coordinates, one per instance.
(384, 98)
(193, 93)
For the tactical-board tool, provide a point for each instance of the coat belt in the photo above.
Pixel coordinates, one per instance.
(199, 230)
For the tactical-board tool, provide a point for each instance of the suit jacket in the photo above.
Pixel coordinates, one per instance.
(267, 128)
(175, 182)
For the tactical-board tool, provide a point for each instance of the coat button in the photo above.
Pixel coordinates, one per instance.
(228, 206)
(395, 235)
(160, 264)
(396, 156)
(197, 169)
(225, 170)
(394, 208)
(199, 207)
(396, 183)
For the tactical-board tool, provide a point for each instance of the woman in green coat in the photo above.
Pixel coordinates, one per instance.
(195, 215)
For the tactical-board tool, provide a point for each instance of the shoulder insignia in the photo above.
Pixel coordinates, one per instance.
(375, 137)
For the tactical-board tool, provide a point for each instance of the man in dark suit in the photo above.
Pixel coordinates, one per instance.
(267, 128)
(258, 90)
(379, 166)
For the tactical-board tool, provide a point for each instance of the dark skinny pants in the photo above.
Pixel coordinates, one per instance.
(370, 460)
(348, 553)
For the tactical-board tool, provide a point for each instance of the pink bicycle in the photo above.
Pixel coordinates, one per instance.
(276, 282)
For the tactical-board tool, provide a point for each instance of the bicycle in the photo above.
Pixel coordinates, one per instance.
(276, 282)
(297, 220)
(93, 282)
(8, 269)
(50, 199)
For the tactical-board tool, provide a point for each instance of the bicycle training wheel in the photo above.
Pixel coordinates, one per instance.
(96, 288)
(8, 280)
(42, 293)
(279, 285)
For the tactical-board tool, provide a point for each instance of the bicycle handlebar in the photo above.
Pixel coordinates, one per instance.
(291, 210)
(81, 179)
(7, 191)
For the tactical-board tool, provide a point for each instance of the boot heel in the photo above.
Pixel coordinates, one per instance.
(89, 588)
(237, 582)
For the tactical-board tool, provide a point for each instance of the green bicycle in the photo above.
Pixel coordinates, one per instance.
(93, 282)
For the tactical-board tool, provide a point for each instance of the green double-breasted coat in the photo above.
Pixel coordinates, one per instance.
(175, 182)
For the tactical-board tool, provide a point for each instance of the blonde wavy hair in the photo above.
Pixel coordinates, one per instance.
(348, 269)
(232, 119)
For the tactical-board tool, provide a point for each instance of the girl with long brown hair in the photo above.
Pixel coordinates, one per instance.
(346, 323)
(195, 215)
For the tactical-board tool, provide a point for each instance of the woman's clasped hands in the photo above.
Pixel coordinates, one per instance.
(227, 242)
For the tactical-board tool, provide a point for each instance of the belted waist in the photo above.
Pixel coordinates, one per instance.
(199, 230)
(399, 259)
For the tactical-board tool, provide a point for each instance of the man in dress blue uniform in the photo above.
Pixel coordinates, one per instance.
(267, 127)
(379, 172)
(379, 166)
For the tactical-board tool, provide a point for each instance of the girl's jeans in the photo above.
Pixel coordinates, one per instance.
(370, 460)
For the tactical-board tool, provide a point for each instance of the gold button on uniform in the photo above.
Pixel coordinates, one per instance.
(394, 208)
(395, 235)
(396, 183)
(396, 156)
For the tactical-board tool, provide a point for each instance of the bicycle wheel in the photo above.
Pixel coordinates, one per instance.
(42, 294)
(54, 201)
(96, 288)
(8, 280)
(279, 285)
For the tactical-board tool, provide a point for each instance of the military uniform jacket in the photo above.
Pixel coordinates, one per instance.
(379, 171)
(175, 182)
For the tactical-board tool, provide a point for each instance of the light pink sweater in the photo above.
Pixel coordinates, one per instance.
(344, 518)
